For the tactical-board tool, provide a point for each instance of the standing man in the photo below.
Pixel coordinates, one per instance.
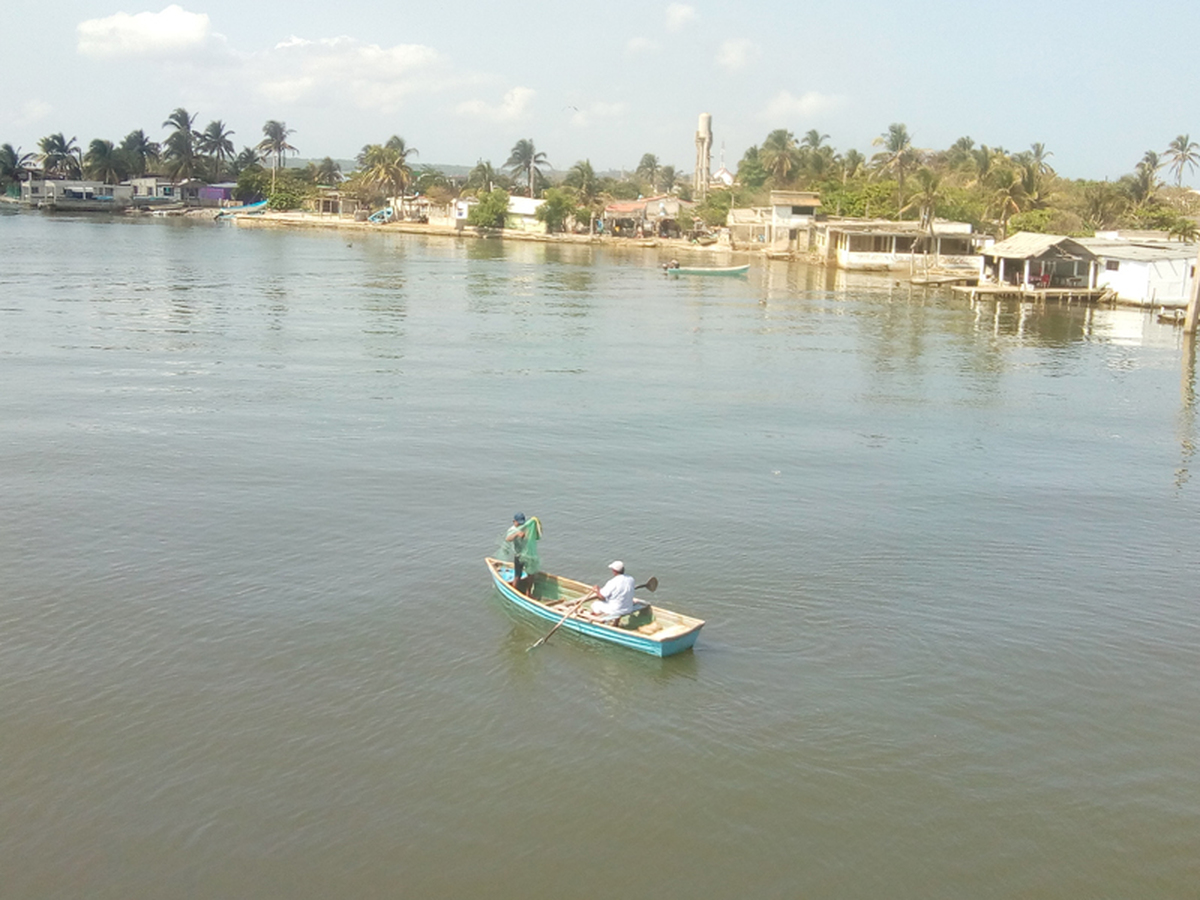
(617, 593)
(518, 535)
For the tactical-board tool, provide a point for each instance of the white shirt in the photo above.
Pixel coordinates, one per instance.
(618, 592)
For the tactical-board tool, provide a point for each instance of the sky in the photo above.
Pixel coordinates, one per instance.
(1099, 83)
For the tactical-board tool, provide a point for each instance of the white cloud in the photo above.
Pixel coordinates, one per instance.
(735, 54)
(641, 45)
(512, 108)
(344, 70)
(170, 32)
(678, 15)
(785, 106)
(598, 110)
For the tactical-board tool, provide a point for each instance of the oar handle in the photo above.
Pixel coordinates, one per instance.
(570, 612)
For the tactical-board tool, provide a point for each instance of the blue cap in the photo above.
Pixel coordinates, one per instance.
(519, 517)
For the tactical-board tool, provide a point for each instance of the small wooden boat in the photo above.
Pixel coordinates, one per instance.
(249, 209)
(708, 270)
(650, 629)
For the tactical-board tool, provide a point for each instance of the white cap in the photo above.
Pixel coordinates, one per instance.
(617, 566)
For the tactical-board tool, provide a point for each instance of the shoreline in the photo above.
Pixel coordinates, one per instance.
(335, 223)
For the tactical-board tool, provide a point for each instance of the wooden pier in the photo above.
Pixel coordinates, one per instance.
(1029, 292)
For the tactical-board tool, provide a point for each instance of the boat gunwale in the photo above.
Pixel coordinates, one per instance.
(668, 641)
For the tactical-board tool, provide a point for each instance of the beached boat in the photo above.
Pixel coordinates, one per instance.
(708, 270)
(648, 628)
(249, 209)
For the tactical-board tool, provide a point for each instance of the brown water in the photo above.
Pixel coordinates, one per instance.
(248, 648)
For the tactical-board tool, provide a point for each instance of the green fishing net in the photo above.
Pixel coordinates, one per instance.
(522, 541)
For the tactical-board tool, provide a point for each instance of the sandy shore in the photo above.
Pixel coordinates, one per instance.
(312, 220)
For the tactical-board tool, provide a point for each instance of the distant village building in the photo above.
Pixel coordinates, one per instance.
(77, 195)
(881, 244)
(153, 190)
(330, 201)
(792, 213)
(656, 216)
(1144, 272)
(749, 225)
(1030, 260)
(522, 215)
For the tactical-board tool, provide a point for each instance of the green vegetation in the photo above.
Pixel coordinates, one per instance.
(996, 190)
(558, 209)
(526, 162)
(993, 189)
(491, 210)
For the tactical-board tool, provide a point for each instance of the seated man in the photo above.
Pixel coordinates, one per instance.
(616, 595)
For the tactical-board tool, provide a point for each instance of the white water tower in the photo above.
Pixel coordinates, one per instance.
(704, 142)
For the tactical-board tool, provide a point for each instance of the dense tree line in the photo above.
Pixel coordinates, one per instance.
(992, 188)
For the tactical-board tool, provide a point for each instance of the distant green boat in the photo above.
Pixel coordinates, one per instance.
(707, 270)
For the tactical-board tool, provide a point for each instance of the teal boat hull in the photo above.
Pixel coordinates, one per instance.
(709, 270)
(680, 635)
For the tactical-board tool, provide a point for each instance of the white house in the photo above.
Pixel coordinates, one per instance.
(152, 189)
(1145, 273)
(882, 244)
(792, 212)
(79, 195)
(522, 215)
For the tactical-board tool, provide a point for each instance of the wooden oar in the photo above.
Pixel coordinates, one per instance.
(651, 586)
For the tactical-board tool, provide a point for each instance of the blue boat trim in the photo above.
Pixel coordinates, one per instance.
(677, 638)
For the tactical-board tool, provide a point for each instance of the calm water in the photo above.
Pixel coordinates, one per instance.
(948, 556)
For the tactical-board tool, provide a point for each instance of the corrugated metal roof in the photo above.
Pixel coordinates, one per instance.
(1030, 245)
(1107, 248)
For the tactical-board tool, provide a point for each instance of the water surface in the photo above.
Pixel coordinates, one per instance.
(947, 556)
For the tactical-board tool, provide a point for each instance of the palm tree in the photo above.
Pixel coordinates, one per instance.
(13, 163)
(385, 167)
(813, 140)
(179, 149)
(483, 177)
(140, 152)
(1007, 196)
(105, 162)
(327, 171)
(1036, 174)
(274, 144)
(524, 160)
(244, 160)
(982, 160)
(581, 178)
(1144, 183)
(666, 179)
(649, 169)
(852, 163)
(60, 157)
(898, 154)
(928, 195)
(1182, 152)
(1103, 204)
(779, 155)
(959, 156)
(215, 143)
(397, 143)
(1039, 154)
